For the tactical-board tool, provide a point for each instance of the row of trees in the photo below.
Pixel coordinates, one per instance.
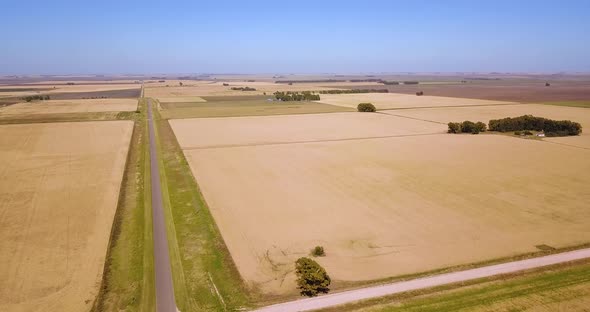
(35, 98)
(348, 91)
(466, 127)
(243, 89)
(529, 122)
(309, 81)
(296, 96)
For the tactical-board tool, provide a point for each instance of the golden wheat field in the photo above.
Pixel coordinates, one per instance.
(59, 188)
(385, 205)
(70, 106)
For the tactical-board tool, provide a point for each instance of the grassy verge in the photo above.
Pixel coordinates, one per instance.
(128, 280)
(564, 287)
(205, 277)
(585, 104)
(67, 117)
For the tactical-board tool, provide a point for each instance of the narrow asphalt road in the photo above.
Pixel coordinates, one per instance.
(425, 282)
(164, 287)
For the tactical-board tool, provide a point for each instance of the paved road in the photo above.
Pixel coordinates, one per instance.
(164, 288)
(425, 282)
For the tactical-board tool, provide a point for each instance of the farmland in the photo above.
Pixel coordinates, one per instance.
(59, 190)
(312, 187)
(398, 101)
(70, 106)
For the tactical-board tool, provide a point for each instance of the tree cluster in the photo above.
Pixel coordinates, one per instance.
(528, 122)
(349, 91)
(390, 82)
(309, 81)
(312, 278)
(296, 96)
(419, 93)
(35, 98)
(243, 89)
(467, 127)
(411, 82)
(366, 107)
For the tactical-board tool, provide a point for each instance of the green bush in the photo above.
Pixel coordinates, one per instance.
(312, 279)
(517, 133)
(454, 127)
(318, 251)
(366, 107)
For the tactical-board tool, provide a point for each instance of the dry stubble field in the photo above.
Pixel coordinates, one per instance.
(59, 188)
(398, 100)
(383, 206)
(70, 106)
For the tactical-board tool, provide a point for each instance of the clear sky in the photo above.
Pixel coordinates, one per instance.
(109, 37)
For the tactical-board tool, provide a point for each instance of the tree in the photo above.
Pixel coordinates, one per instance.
(312, 279)
(366, 107)
(180, 83)
(318, 251)
(454, 127)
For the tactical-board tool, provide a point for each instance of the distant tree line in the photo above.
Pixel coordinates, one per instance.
(467, 127)
(411, 82)
(529, 122)
(390, 82)
(348, 91)
(243, 89)
(35, 98)
(309, 81)
(296, 96)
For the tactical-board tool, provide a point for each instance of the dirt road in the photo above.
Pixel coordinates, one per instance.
(164, 287)
(426, 282)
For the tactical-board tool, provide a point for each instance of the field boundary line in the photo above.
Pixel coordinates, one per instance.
(413, 118)
(308, 141)
(350, 296)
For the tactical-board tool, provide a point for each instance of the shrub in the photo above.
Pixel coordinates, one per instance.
(527, 132)
(480, 126)
(468, 126)
(419, 93)
(517, 133)
(318, 251)
(366, 107)
(454, 127)
(312, 279)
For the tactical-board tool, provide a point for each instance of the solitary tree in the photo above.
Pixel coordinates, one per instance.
(312, 279)
(366, 107)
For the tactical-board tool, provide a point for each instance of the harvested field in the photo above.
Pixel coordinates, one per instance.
(398, 101)
(252, 105)
(61, 92)
(197, 133)
(212, 88)
(58, 194)
(192, 99)
(70, 106)
(380, 207)
(504, 90)
(485, 113)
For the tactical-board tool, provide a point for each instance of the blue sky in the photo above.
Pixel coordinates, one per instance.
(60, 37)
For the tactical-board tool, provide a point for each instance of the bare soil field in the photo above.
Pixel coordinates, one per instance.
(485, 113)
(238, 131)
(69, 106)
(59, 188)
(397, 100)
(380, 207)
(509, 91)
